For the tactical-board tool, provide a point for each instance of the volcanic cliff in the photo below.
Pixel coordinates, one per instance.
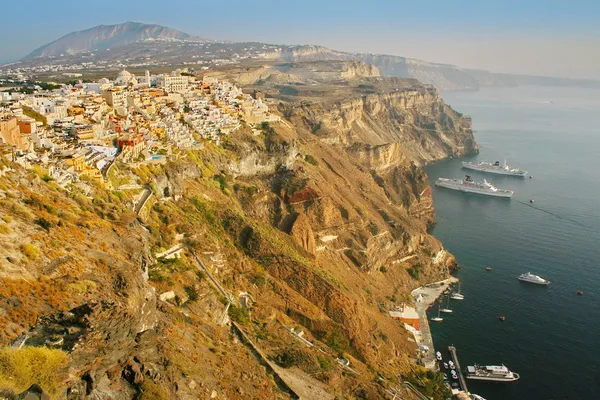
(303, 233)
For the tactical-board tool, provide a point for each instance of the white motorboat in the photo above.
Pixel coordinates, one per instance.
(497, 373)
(529, 277)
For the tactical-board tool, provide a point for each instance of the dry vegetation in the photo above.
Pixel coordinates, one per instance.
(20, 368)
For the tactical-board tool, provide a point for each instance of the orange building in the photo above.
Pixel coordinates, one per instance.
(11, 133)
(408, 315)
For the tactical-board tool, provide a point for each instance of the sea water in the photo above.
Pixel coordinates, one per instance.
(551, 335)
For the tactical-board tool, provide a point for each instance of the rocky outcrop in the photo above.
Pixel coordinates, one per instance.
(171, 183)
(411, 124)
(303, 235)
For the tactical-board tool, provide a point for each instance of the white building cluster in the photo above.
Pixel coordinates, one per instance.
(79, 130)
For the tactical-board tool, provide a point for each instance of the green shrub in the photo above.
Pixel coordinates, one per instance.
(430, 383)
(311, 160)
(324, 362)
(239, 314)
(336, 339)
(286, 359)
(191, 293)
(44, 223)
(414, 271)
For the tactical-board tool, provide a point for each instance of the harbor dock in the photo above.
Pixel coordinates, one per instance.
(424, 297)
(461, 379)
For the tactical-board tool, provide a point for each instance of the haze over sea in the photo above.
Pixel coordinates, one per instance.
(551, 335)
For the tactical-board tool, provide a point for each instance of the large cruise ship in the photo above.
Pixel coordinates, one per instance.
(497, 373)
(469, 186)
(494, 168)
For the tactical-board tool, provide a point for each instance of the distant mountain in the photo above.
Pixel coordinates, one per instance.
(103, 37)
(138, 45)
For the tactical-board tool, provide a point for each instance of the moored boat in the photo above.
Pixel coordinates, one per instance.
(438, 318)
(447, 309)
(467, 185)
(457, 295)
(497, 373)
(494, 168)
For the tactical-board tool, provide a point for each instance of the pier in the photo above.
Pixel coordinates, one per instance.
(424, 297)
(461, 379)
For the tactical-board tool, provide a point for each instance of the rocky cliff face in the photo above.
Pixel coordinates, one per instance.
(317, 223)
(413, 124)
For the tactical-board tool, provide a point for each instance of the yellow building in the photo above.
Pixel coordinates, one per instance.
(10, 133)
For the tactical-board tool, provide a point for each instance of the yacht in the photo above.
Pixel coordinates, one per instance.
(457, 295)
(529, 277)
(447, 309)
(438, 318)
(497, 373)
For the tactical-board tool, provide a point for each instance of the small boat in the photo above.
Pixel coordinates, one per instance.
(502, 318)
(451, 364)
(476, 397)
(447, 309)
(438, 355)
(580, 293)
(488, 269)
(457, 295)
(532, 201)
(529, 277)
(530, 176)
(438, 318)
(445, 365)
(454, 384)
(446, 376)
(454, 375)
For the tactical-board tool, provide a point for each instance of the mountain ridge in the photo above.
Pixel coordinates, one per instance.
(102, 37)
(135, 43)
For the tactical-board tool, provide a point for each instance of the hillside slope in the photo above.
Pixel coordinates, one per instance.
(316, 223)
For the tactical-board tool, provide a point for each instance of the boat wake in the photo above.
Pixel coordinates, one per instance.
(554, 215)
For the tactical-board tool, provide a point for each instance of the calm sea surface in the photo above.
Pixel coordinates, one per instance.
(551, 335)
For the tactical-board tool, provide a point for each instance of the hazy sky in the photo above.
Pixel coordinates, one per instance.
(558, 38)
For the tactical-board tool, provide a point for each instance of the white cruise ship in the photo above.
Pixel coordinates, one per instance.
(469, 186)
(494, 168)
(498, 373)
(529, 277)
